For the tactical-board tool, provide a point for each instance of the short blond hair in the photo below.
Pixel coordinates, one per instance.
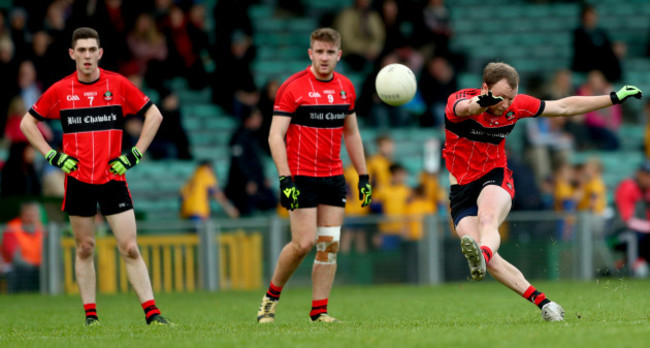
(497, 71)
(326, 35)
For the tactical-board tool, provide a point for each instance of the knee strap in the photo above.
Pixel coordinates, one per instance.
(327, 244)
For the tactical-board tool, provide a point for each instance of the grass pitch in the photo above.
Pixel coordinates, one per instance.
(605, 313)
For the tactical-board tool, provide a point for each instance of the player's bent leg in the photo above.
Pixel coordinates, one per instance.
(124, 228)
(511, 276)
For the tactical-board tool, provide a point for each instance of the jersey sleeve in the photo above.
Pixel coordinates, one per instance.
(352, 97)
(455, 98)
(135, 102)
(47, 106)
(284, 101)
(527, 106)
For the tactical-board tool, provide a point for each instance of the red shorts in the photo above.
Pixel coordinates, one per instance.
(462, 198)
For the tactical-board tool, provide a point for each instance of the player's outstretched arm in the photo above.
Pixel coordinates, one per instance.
(578, 105)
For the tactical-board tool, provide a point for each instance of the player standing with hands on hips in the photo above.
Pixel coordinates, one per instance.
(477, 122)
(314, 108)
(91, 104)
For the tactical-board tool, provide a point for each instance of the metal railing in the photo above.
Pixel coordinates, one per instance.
(242, 253)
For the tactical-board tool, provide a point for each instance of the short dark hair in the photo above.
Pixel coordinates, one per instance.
(326, 35)
(84, 33)
(497, 71)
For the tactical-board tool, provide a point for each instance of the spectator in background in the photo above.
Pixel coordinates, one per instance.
(592, 48)
(632, 199)
(234, 86)
(30, 89)
(364, 34)
(566, 195)
(594, 201)
(22, 242)
(198, 191)
(394, 26)
(9, 72)
(436, 83)
(171, 132)
(353, 233)
(392, 201)
(15, 114)
(149, 50)
(19, 177)
(646, 112)
(267, 99)
(40, 55)
(602, 125)
(18, 28)
(196, 29)
(379, 163)
(434, 28)
(113, 19)
(248, 188)
(546, 144)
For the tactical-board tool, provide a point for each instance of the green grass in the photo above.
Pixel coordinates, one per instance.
(606, 313)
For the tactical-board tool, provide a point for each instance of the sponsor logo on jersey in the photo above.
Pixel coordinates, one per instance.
(329, 91)
(108, 95)
(344, 95)
(326, 115)
(90, 94)
(73, 97)
(314, 95)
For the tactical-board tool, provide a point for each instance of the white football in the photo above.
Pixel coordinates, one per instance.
(395, 84)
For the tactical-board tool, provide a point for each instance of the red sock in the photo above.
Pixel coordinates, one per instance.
(274, 292)
(150, 309)
(91, 310)
(318, 307)
(487, 253)
(536, 297)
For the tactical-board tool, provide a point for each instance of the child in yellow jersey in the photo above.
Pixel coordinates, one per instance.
(566, 194)
(393, 200)
(417, 208)
(352, 232)
(379, 164)
(197, 192)
(594, 192)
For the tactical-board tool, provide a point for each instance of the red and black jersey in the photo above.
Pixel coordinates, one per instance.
(92, 116)
(474, 145)
(317, 110)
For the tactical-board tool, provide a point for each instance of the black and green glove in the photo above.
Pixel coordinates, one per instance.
(67, 163)
(365, 190)
(288, 193)
(487, 100)
(624, 93)
(125, 162)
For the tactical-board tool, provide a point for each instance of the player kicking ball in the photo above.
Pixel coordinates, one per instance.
(91, 104)
(477, 122)
(313, 112)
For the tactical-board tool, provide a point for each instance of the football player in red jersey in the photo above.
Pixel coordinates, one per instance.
(477, 122)
(313, 111)
(91, 104)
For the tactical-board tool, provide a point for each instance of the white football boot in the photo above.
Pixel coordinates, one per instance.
(266, 313)
(552, 312)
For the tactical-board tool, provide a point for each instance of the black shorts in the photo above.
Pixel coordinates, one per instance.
(328, 190)
(462, 198)
(81, 199)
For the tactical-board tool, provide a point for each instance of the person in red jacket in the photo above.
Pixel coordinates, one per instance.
(22, 243)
